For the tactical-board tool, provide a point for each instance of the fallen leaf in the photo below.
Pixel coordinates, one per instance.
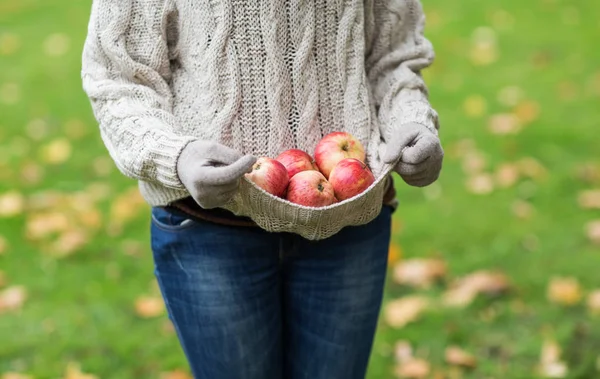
(593, 231)
(507, 174)
(12, 298)
(593, 302)
(419, 272)
(510, 96)
(484, 50)
(57, 44)
(461, 147)
(564, 291)
(15, 375)
(127, 206)
(400, 312)
(69, 242)
(394, 253)
(403, 352)
(589, 199)
(504, 123)
(176, 374)
(148, 307)
(415, 368)
(532, 168)
(44, 224)
(475, 106)
(102, 166)
(11, 204)
(57, 151)
(464, 290)
(474, 162)
(522, 209)
(454, 355)
(550, 364)
(480, 184)
(74, 372)
(527, 111)
(31, 173)
(75, 129)
(588, 173)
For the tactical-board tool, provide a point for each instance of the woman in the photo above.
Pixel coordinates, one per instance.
(188, 93)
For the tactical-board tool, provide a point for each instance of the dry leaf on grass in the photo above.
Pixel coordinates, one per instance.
(593, 231)
(504, 123)
(74, 372)
(464, 290)
(415, 368)
(15, 375)
(589, 199)
(400, 312)
(564, 291)
(11, 204)
(69, 242)
(527, 111)
(522, 209)
(474, 162)
(507, 175)
(454, 355)
(480, 184)
(57, 151)
(148, 307)
(550, 364)
(394, 253)
(419, 272)
(593, 302)
(532, 168)
(475, 106)
(12, 298)
(176, 374)
(403, 352)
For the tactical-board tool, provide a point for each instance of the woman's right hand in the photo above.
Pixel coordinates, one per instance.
(211, 172)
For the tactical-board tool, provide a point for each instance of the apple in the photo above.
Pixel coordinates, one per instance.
(270, 175)
(310, 188)
(296, 160)
(337, 146)
(349, 178)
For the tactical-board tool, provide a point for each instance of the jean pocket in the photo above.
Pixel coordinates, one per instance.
(170, 220)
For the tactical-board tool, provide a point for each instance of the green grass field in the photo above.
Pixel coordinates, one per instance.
(518, 91)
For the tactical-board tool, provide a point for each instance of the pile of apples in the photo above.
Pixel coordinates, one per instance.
(337, 172)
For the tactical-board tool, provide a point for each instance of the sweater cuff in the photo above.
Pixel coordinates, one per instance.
(166, 152)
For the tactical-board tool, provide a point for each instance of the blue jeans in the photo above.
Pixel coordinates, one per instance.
(248, 304)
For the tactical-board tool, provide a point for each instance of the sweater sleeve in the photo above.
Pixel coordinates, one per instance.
(397, 51)
(125, 73)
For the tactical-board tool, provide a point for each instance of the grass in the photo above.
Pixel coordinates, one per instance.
(80, 308)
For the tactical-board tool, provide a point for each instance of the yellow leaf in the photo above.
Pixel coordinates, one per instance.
(593, 302)
(527, 111)
(507, 175)
(148, 307)
(11, 204)
(454, 355)
(550, 364)
(41, 225)
(522, 209)
(69, 242)
(12, 298)
(75, 129)
(74, 372)
(474, 162)
(403, 351)
(57, 44)
(589, 199)
(415, 368)
(400, 312)
(480, 184)
(593, 231)
(464, 290)
(504, 123)
(394, 254)
(475, 106)
(564, 291)
(57, 151)
(31, 173)
(532, 168)
(419, 272)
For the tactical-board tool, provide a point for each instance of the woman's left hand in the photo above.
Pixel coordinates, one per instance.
(418, 153)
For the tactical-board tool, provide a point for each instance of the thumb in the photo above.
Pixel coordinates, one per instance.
(398, 143)
(227, 174)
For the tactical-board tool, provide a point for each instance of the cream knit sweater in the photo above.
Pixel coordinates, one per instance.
(260, 76)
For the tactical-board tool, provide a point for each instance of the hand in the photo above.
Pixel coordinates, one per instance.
(419, 152)
(211, 172)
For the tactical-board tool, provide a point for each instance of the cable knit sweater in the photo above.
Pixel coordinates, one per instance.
(260, 76)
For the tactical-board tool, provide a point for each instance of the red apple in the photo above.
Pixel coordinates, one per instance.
(296, 160)
(310, 188)
(337, 146)
(269, 175)
(349, 178)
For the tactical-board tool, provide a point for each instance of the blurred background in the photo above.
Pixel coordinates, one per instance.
(494, 269)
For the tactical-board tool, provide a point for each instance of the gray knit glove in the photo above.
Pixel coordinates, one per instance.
(420, 153)
(211, 172)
